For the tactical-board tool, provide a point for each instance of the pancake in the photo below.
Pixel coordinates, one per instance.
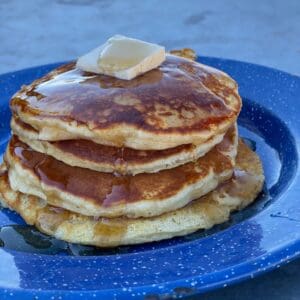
(203, 213)
(180, 102)
(101, 158)
(105, 194)
(185, 52)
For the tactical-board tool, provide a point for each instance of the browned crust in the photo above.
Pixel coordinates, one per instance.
(202, 213)
(107, 189)
(181, 97)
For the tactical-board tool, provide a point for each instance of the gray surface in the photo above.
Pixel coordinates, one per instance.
(34, 32)
(264, 32)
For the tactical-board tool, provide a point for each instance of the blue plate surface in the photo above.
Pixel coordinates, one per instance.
(260, 238)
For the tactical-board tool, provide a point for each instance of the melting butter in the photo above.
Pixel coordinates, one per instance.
(123, 58)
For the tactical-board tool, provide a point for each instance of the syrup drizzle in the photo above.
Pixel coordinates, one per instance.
(71, 94)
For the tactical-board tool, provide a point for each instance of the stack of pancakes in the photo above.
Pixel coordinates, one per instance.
(102, 161)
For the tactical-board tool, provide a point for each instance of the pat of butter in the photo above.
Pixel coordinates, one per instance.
(122, 57)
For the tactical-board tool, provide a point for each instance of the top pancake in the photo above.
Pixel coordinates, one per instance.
(181, 102)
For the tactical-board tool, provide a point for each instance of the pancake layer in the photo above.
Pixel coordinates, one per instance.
(181, 102)
(202, 213)
(108, 159)
(104, 194)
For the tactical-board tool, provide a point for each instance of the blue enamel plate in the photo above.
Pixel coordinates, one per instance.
(255, 240)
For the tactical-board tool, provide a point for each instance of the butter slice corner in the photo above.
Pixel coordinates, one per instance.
(123, 58)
